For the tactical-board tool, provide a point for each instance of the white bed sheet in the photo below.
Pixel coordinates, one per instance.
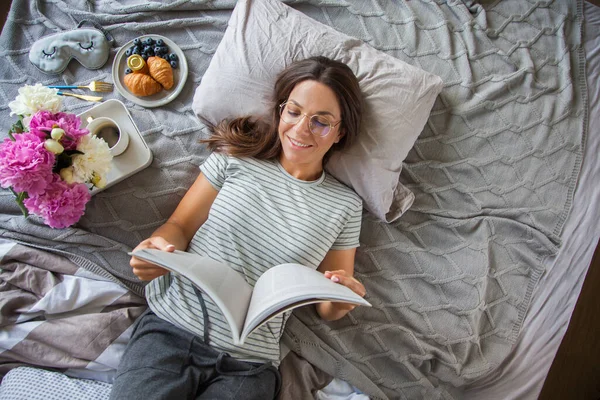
(522, 375)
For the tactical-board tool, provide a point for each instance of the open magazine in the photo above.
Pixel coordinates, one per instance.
(280, 289)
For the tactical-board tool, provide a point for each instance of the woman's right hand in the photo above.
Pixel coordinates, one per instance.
(179, 229)
(147, 271)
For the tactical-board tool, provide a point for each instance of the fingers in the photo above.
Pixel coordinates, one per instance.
(147, 271)
(341, 277)
(157, 242)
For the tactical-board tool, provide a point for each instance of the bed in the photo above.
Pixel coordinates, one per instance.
(472, 287)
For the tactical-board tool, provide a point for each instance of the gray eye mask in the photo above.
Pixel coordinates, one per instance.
(89, 46)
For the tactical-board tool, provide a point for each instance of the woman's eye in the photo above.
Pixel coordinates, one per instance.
(293, 113)
(321, 123)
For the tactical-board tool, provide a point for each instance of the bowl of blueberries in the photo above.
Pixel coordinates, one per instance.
(151, 60)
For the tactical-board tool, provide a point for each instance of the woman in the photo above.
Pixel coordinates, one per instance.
(261, 199)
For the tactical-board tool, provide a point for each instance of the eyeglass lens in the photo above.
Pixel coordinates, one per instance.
(318, 124)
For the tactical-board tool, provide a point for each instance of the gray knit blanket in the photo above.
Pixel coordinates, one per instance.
(493, 173)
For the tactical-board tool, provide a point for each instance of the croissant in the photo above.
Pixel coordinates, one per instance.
(141, 84)
(161, 70)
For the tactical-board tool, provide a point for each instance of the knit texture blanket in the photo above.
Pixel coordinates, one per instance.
(493, 173)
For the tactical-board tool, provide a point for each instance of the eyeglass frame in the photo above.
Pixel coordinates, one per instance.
(309, 119)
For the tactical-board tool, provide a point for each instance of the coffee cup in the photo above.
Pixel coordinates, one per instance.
(108, 130)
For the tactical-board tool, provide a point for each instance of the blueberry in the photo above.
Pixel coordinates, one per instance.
(148, 42)
(163, 49)
(160, 42)
(165, 56)
(173, 57)
(128, 52)
(174, 64)
(158, 50)
(137, 41)
(128, 71)
(145, 57)
(137, 50)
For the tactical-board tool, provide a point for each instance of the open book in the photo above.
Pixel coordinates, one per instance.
(281, 288)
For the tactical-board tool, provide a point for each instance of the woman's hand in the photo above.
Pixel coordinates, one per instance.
(332, 311)
(338, 265)
(179, 229)
(343, 278)
(147, 271)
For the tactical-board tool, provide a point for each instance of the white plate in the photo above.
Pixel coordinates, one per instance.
(164, 96)
(136, 157)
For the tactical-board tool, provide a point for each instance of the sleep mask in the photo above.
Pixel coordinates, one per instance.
(89, 46)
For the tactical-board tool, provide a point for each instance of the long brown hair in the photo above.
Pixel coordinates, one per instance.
(258, 137)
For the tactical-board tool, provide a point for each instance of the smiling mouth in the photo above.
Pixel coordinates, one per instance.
(299, 144)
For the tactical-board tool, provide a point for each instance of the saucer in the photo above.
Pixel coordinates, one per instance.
(136, 157)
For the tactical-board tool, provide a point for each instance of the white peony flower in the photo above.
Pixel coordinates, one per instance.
(32, 99)
(94, 163)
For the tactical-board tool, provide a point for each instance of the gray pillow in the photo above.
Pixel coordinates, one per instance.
(264, 36)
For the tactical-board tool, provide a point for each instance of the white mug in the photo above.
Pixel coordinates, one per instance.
(108, 130)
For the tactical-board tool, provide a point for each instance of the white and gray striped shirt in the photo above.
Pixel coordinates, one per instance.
(261, 217)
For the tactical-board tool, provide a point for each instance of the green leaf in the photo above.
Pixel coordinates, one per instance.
(17, 127)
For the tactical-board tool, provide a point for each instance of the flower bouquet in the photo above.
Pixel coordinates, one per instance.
(48, 161)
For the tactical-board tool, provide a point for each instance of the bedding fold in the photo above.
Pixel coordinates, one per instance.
(56, 315)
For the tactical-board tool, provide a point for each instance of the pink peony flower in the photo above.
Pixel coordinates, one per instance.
(25, 164)
(42, 123)
(61, 205)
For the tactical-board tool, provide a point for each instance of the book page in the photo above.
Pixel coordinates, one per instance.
(224, 285)
(288, 286)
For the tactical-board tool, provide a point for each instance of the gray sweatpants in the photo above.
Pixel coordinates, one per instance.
(164, 362)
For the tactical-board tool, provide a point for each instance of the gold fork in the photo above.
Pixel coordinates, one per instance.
(94, 86)
(81, 96)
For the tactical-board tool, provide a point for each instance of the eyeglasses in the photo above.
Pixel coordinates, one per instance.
(318, 124)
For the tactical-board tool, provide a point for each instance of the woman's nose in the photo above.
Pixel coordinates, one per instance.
(303, 125)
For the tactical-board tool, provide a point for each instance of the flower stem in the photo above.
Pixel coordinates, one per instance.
(19, 197)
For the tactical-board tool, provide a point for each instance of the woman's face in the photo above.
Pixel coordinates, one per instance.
(302, 151)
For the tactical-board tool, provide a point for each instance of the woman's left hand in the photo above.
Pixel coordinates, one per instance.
(338, 266)
(343, 278)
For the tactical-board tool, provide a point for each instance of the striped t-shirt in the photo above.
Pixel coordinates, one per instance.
(261, 217)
